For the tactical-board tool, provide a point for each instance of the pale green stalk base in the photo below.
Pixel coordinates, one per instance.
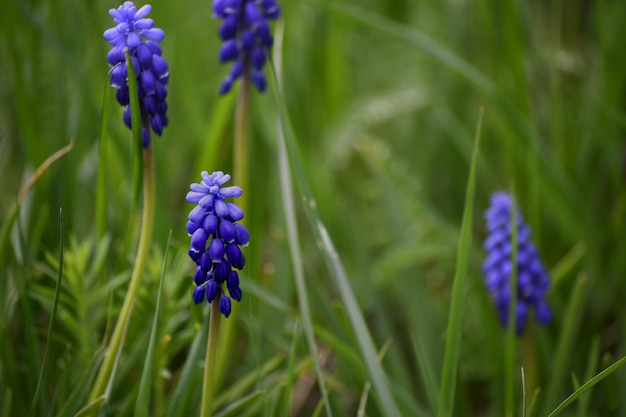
(211, 357)
(147, 223)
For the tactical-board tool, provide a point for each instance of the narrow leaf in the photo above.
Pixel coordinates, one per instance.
(457, 307)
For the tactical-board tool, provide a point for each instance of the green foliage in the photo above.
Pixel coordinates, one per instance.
(378, 100)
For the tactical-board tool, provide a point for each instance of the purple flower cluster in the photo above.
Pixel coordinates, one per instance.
(138, 34)
(532, 278)
(216, 240)
(247, 38)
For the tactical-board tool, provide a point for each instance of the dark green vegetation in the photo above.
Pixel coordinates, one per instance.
(383, 99)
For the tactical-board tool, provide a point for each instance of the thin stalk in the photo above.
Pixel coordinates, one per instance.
(240, 177)
(510, 353)
(211, 357)
(147, 224)
(240, 150)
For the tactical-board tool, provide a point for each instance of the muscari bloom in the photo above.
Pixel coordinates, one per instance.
(532, 278)
(216, 240)
(133, 31)
(247, 38)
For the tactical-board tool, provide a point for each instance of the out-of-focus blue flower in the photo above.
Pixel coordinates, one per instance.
(247, 38)
(133, 31)
(532, 278)
(216, 240)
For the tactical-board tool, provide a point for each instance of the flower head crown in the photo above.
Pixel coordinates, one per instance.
(216, 240)
(532, 278)
(247, 38)
(135, 32)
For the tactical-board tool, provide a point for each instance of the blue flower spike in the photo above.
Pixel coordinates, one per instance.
(532, 279)
(247, 38)
(137, 34)
(216, 240)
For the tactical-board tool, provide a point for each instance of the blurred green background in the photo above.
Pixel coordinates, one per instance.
(383, 97)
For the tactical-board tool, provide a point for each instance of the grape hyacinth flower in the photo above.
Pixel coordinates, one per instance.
(532, 278)
(216, 240)
(133, 31)
(247, 38)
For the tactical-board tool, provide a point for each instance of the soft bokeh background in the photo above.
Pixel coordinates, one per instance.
(383, 97)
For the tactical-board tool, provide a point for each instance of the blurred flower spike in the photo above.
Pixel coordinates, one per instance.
(133, 31)
(247, 38)
(216, 240)
(532, 278)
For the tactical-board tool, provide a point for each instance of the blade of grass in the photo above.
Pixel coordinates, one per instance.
(78, 394)
(189, 378)
(55, 306)
(427, 372)
(91, 408)
(6, 228)
(565, 345)
(453, 336)
(290, 155)
(586, 386)
(292, 228)
(240, 404)
(142, 406)
(592, 364)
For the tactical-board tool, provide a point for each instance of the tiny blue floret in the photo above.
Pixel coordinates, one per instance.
(532, 279)
(247, 38)
(137, 34)
(216, 240)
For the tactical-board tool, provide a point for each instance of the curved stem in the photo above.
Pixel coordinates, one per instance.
(147, 224)
(211, 357)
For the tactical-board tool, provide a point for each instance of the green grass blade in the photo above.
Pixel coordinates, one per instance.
(291, 154)
(142, 406)
(427, 372)
(294, 236)
(235, 408)
(189, 378)
(566, 342)
(453, 336)
(57, 294)
(592, 364)
(92, 408)
(363, 400)
(586, 386)
(8, 225)
(78, 395)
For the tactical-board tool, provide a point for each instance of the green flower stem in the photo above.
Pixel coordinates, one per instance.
(211, 357)
(240, 177)
(240, 150)
(147, 223)
(510, 354)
